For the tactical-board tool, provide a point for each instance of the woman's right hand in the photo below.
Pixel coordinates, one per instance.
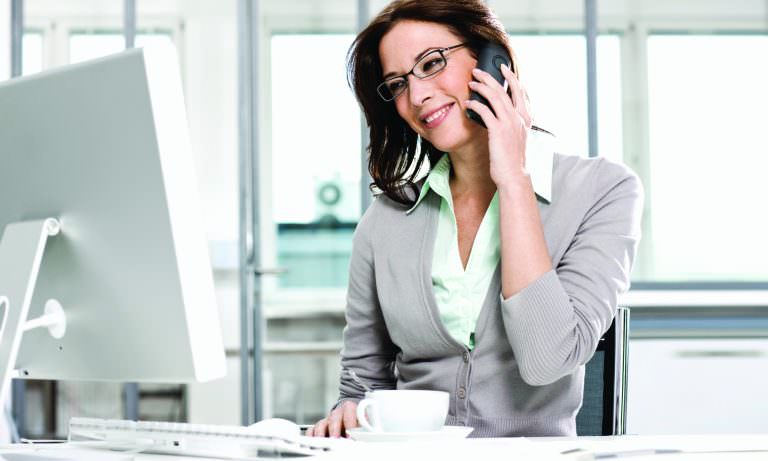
(341, 419)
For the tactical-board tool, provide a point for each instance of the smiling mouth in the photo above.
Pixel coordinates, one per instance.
(436, 117)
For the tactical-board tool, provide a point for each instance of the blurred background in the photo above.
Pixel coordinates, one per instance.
(680, 96)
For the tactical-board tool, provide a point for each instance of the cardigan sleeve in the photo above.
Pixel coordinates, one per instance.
(368, 349)
(555, 323)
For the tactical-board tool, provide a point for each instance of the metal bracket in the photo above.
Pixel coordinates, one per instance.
(21, 251)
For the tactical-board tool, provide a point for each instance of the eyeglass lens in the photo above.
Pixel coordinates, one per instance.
(427, 66)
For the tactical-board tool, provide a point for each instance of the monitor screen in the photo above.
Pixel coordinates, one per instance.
(102, 147)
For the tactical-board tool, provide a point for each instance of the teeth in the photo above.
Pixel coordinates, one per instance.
(436, 115)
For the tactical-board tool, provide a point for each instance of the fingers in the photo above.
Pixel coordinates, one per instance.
(490, 89)
(484, 77)
(338, 421)
(319, 429)
(519, 96)
(513, 84)
(349, 415)
(482, 110)
(334, 423)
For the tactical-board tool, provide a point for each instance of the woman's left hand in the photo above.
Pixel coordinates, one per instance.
(508, 128)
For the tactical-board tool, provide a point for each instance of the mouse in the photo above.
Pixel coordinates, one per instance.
(277, 427)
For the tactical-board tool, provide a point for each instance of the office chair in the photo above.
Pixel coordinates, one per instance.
(604, 410)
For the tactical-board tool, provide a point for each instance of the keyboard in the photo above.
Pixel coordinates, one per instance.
(237, 442)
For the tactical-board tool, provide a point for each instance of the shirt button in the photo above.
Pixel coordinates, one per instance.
(465, 356)
(462, 393)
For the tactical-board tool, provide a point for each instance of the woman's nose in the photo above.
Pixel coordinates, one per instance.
(419, 91)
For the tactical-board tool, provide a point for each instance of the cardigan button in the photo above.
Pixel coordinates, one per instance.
(462, 393)
(465, 356)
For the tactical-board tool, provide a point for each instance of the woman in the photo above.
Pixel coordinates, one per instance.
(494, 278)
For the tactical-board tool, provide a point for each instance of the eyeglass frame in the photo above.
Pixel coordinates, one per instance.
(404, 76)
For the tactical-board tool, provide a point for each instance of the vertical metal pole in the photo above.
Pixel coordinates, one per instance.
(363, 13)
(130, 390)
(131, 401)
(18, 409)
(17, 36)
(129, 23)
(258, 318)
(590, 15)
(244, 196)
(18, 388)
(244, 248)
(250, 283)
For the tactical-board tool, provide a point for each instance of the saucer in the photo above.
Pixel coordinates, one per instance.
(446, 433)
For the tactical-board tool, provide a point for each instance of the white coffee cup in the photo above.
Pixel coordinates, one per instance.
(403, 411)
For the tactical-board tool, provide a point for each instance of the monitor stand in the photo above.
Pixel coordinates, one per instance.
(21, 251)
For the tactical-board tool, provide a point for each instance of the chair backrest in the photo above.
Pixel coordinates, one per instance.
(604, 409)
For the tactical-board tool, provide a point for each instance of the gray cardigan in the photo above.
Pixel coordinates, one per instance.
(525, 376)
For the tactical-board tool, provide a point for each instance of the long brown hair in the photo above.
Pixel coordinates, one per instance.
(395, 149)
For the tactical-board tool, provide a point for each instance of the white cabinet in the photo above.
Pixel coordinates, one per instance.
(697, 386)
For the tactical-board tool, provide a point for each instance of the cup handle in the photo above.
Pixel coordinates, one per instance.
(362, 417)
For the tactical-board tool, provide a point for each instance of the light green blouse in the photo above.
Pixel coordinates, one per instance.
(460, 293)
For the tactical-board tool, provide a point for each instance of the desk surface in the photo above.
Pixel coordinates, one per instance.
(689, 447)
(738, 447)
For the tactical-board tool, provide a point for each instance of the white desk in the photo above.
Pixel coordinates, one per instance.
(691, 447)
(739, 447)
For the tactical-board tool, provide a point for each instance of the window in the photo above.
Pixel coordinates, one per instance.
(90, 45)
(315, 174)
(708, 104)
(32, 53)
(553, 69)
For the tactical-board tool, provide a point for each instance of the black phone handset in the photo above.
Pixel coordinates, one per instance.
(490, 59)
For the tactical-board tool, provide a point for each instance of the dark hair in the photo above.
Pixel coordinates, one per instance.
(395, 149)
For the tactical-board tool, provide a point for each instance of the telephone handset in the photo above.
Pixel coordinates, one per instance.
(490, 59)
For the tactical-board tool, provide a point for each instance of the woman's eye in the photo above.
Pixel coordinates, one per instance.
(396, 85)
(431, 64)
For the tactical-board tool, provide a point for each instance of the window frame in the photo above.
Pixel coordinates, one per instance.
(57, 31)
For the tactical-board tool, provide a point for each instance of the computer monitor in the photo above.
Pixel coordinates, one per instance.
(98, 192)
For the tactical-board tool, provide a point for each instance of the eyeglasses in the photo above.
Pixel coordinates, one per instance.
(430, 64)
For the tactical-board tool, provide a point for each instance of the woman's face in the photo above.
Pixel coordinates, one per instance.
(434, 106)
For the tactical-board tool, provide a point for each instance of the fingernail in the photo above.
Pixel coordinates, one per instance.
(477, 71)
(504, 67)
